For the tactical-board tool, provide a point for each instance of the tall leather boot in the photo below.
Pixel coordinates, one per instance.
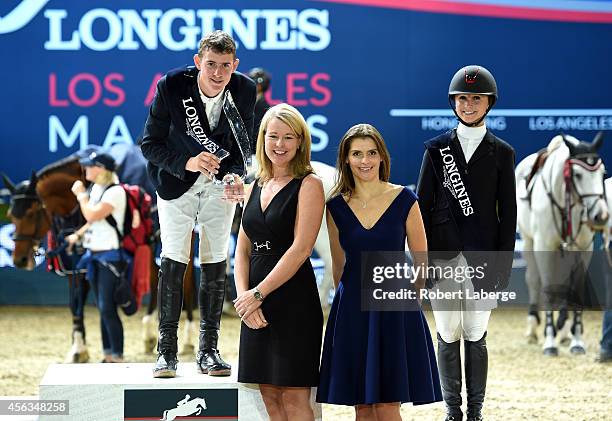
(211, 295)
(449, 364)
(476, 368)
(169, 303)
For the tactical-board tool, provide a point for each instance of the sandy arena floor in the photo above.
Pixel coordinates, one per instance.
(523, 384)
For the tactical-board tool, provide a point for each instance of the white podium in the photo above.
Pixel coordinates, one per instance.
(96, 392)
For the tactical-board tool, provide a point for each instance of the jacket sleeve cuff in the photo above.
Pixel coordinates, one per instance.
(178, 169)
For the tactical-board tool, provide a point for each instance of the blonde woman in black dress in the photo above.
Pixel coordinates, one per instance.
(278, 302)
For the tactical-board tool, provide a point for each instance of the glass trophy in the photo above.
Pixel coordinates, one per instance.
(219, 188)
(241, 137)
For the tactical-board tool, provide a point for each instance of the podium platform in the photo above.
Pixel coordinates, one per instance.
(114, 392)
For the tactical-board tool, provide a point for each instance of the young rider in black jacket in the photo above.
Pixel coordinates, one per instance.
(467, 197)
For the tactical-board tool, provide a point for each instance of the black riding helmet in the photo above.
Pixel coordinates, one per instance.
(472, 79)
(261, 78)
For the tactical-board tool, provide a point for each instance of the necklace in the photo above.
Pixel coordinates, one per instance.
(364, 203)
(275, 184)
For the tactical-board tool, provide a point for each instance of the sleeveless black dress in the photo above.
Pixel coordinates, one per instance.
(287, 351)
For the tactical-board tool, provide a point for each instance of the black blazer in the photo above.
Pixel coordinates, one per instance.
(166, 144)
(489, 178)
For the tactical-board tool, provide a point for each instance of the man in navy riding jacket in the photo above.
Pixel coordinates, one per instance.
(192, 150)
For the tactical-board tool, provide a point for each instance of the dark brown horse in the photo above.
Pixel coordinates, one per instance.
(36, 207)
(30, 220)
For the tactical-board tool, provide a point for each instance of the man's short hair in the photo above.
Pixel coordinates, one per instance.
(219, 42)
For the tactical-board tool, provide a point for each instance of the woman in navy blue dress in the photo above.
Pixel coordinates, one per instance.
(373, 360)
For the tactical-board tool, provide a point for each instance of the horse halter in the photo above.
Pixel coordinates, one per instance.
(25, 196)
(40, 214)
(21, 196)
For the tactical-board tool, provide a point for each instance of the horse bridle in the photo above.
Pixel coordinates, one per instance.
(40, 214)
(590, 162)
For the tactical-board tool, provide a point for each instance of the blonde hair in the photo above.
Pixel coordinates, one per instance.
(299, 166)
(345, 183)
(106, 178)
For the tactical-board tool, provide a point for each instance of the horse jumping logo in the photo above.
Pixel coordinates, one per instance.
(184, 408)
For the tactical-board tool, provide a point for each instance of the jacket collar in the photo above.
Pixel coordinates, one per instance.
(486, 148)
(195, 92)
(222, 126)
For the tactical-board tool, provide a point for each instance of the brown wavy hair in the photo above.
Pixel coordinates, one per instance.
(219, 42)
(345, 183)
(300, 164)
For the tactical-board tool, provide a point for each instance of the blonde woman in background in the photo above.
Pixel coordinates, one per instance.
(104, 258)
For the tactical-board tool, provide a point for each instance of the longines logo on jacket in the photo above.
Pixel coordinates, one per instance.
(194, 127)
(454, 183)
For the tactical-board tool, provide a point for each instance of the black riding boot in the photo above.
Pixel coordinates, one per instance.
(449, 364)
(169, 303)
(476, 367)
(211, 295)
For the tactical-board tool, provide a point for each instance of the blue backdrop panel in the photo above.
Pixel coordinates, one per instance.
(83, 72)
(80, 73)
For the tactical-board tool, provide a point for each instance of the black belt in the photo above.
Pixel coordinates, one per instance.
(270, 253)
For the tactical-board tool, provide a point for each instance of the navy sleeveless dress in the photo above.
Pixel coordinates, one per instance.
(370, 356)
(287, 351)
